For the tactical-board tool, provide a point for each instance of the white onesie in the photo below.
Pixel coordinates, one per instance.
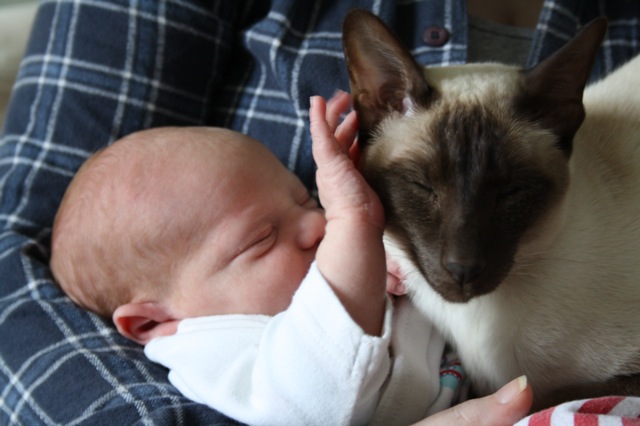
(309, 365)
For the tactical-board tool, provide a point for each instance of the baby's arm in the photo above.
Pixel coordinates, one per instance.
(351, 255)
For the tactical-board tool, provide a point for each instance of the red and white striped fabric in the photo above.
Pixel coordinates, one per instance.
(607, 411)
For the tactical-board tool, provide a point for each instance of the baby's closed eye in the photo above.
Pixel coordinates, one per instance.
(261, 242)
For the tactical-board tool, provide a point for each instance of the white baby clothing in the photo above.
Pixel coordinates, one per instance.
(309, 365)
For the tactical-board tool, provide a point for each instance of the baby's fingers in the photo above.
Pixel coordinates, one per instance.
(342, 189)
(346, 132)
(336, 106)
(325, 148)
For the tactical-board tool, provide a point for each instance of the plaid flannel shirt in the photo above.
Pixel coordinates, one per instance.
(96, 70)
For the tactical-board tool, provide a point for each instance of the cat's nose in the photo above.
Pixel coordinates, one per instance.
(464, 273)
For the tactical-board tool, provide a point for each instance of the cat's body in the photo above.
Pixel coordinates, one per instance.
(518, 236)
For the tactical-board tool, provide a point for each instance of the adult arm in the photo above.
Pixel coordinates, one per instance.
(93, 72)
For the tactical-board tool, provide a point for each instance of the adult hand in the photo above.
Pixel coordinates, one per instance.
(505, 407)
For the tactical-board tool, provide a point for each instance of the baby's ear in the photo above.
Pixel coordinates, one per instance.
(141, 322)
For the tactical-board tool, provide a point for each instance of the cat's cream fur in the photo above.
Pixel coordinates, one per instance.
(567, 312)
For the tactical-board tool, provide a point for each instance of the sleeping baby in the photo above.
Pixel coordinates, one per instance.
(203, 247)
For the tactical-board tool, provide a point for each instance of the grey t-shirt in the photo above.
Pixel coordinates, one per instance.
(494, 42)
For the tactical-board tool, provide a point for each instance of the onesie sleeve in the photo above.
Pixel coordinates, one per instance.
(311, 364)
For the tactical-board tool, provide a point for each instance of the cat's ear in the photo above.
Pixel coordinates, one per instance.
(553, 89)
(383, 75)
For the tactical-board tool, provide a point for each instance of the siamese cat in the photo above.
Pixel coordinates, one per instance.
(512, 205)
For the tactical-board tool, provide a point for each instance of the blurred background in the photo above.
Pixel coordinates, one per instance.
(16, 18)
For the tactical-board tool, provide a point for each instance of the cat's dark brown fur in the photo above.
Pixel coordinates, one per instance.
(484, 176)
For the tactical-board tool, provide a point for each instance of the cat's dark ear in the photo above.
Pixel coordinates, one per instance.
(383, 75)
(553, 89)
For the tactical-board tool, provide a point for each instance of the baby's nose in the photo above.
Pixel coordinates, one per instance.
(311, 229)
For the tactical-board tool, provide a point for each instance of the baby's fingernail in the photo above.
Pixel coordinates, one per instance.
(512, 389)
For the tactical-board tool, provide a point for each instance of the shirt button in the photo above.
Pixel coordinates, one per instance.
(436, 36)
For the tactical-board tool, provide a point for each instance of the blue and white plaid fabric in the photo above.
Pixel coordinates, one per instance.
(96, 70)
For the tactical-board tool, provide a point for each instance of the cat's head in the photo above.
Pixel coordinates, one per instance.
(470, 162)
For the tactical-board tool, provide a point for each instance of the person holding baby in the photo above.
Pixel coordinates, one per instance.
(97, 72)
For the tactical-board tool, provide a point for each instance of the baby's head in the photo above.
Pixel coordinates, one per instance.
(172, 223)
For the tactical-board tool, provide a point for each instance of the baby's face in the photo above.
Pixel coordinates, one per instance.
(257, 233)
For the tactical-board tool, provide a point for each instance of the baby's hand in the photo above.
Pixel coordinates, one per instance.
(351, 256)
(343, 192)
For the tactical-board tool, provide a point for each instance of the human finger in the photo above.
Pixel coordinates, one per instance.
(336, 106)
(347, 131)
(324, 146)
(505, 407)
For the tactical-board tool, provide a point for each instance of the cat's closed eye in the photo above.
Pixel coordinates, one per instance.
(509, 191)
(423, 187)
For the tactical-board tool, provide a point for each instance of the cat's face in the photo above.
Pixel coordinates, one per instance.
(471, 163)
(463, 185)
